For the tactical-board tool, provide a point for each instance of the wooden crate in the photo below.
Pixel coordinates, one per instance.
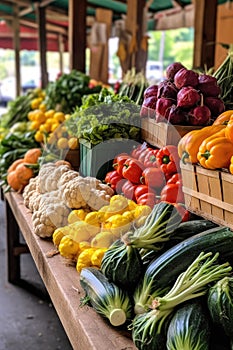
(208, 193)
(73, 156)
(161, 134)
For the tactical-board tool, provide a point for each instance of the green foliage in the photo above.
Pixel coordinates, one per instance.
(178, 46)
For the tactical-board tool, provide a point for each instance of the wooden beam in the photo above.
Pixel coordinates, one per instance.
(77, 34)
(41, 19)
(205, 33)
(16, 44)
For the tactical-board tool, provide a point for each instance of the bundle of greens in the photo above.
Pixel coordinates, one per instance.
(66, 92)
(224, 76)
(105, 116)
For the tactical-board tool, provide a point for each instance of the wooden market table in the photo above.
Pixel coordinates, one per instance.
(85, 329)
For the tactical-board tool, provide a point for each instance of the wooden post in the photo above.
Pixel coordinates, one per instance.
(134, 25)
(41, 19)
(61, 51)
(205, 33)
(99, 51)
(77, 34)
(16, 43)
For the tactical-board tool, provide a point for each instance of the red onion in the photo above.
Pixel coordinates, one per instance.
(148, 107)
(167, 89)
(199, 115)
(151, 91)
(163, 106)
(215, 104)
(208, 85)
(177, 115)
(187, 97)
(185, 77)
(172, 69)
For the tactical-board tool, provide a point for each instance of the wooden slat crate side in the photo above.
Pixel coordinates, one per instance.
(189, 180)
(162, 134)
(209, 183)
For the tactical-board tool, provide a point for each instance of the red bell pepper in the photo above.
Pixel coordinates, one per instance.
(150, 159)
(109, 175)
(176, 178)
(142, 189)
(168, 160)
(137, 150)
(149, 199)
(128, 189)
(153, 177)
(132, 170)
(172, 193)
(185, 214)
(114, 180)
(119, 162)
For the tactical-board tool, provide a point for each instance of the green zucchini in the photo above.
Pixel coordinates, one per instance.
(185, 230)
(106, 298)
(122, 263)
(163, 271)
(191, 283)
(190, 327)
(220, 304)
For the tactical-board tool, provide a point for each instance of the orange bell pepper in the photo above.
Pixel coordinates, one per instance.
(189, 144)
(223, 118)
(215, 153)
(231, 166)
(229, 130)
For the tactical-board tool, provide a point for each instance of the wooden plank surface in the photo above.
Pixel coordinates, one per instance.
(84, 327)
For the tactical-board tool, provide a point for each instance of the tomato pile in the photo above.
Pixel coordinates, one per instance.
(149, 175)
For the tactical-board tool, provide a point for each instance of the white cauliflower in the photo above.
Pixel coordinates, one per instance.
(49, 176)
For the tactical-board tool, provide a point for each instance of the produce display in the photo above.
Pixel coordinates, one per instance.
(144, 262)
(185, 97)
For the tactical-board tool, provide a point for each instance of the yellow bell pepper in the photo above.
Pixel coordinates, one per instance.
(68, 248)
(215, 153)
(189, 144)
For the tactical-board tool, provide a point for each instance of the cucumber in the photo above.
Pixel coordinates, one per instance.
(106, 298)
(220, 304)
(162, 272)
(190, 327)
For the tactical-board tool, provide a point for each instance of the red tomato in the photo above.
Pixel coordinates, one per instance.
(149, 199)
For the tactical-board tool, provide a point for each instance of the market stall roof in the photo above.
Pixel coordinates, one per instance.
(57, 16)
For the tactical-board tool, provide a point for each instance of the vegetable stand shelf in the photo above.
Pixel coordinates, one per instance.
(84, 327)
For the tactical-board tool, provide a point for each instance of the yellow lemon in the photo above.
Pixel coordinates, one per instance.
(62, 143)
